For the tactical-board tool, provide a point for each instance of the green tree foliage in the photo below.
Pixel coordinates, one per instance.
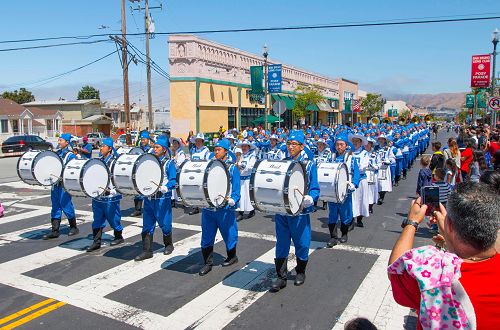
(19, 96)
(87, 93)
(307, 96)
(371, 105)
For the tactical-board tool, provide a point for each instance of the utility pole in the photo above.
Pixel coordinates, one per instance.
(494, 40)
(126, 101)
(148, 62)
(265, 54)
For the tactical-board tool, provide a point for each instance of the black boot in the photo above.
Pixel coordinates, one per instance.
(359, 221)
(137, 208)
(231, 258)
(73, 230)
(381, 196)
(281, 270)
(240, 216)
(250, 215)
(300, 278)
(343, 229)
(56, 223)
(370, 208)
(147, 247)
(169, 246)
(194, 211)
(173, 204)
(118, 238)
(351, 225)
(333, 235)
(404, 174)
(96, 244)
(208, 259)
(324, 205)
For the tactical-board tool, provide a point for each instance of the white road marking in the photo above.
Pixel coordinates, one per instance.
(373, 299)
(22, 216)
(21, 185)
(218, 306)
(81, 299)
(132, 271)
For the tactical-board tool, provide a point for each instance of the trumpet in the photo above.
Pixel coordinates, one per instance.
(386, 121)
(402, 120)
(415, 119)
(375, 120)
(428, 119)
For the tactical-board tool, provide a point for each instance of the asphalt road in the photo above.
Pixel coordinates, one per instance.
(57, 284)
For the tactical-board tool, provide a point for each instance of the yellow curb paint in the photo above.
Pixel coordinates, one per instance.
(33, 316)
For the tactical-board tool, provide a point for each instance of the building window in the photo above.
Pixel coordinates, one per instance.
(231, 118)
(250, 114)
(331, 118)
(5, 125)
(15, 126)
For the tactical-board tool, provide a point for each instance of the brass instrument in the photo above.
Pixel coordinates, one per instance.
(428, 119)
(386, 121)
(402, 120)
(375, 120)
(415, 120)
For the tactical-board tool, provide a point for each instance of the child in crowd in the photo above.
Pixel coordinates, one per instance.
(425, 174)
(437, 160)
(444, 191)
(451, 172)
(478, 166)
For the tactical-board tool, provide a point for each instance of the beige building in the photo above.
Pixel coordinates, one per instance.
(210, 87)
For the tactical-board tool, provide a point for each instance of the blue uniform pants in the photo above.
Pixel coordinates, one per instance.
(406, 157)
(222, 219)
(159, 211)
(399, 166)
(297, 229)
(106, 210)
(342, 211)
(61, 202)
(393, 171)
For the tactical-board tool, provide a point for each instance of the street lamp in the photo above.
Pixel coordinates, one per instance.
(494, 40)
(265, 54)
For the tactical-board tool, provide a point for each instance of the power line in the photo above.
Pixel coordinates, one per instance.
(60, 75)
(55, 45)
(285, 28)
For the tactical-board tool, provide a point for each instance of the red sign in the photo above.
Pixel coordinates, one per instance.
(356, 105)
(480, 76)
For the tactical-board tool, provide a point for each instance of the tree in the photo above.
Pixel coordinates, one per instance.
(371, 105)
(87, 93)
(20, 97)
(307, 96)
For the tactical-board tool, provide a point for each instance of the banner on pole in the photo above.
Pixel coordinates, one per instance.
(480, 75)
(347, 105)
(469, 101)
(256, 78)
(274, 78)
(356, 105)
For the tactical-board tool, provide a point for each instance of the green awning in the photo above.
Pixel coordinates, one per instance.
(270, 119)
(276, 97)
(289, 101)
(312, 107)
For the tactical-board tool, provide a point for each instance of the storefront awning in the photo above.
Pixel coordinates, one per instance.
(324, 106)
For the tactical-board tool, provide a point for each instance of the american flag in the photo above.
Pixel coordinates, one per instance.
(356, 105)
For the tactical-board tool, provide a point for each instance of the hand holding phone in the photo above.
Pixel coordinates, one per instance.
(430, 197)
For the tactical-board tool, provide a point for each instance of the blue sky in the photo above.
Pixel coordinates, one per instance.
(430, 58)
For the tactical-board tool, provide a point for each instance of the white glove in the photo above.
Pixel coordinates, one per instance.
(308, 201)
(387, 162)
(351, 186)
(164, 189)
(113, 192)
(231, 202)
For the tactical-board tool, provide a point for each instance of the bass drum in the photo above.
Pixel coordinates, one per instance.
(86, 177)
(278, 186)
(42, 168)
(130, 151)
(203, 183)
(332, 179)
(137, 174)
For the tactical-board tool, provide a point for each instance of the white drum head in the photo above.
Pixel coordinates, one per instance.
(47, 168)
(343, 177)
(136, 151)
(296, 189)
(217, 183)
(95, 178)
(148, 175)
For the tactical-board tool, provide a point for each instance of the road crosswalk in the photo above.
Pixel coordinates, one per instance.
(214, 308)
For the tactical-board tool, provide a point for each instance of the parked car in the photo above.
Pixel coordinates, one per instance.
(121, 140)
(95, 139)
(21, 143)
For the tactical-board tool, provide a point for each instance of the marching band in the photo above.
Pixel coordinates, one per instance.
(284, 173)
